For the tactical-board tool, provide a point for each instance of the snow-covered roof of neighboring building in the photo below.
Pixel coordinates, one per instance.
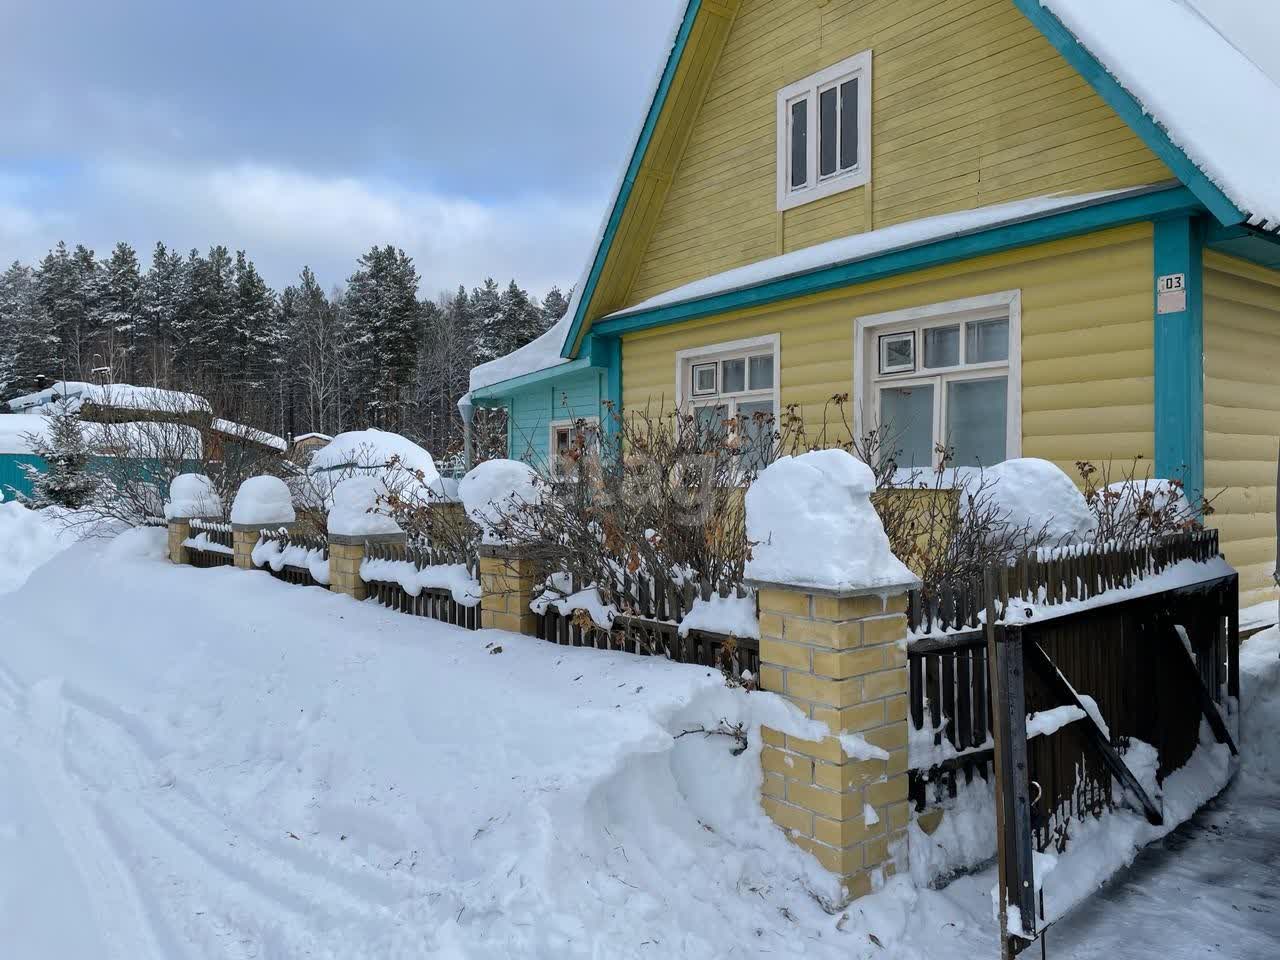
(145, 438)
(253, 434)
(1217, 105)
(123, 396)
(16, 428)
(860, 246)
(312, 436)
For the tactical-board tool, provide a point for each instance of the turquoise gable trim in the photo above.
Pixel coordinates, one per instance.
(1179, 357)
(1133, 208)
(1123, 103)
(633, 170)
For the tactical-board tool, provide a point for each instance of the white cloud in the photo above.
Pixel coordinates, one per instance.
(287, 218)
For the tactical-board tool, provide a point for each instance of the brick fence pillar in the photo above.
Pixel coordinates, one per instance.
(841, 658)
(244, 537)
(346, 553)
(179, 533)
(507, 577)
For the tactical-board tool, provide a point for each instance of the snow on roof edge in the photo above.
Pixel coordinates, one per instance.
(859, 246)
(1144, 45)
(487, 374)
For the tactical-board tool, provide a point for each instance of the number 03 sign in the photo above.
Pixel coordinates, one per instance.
(1171, 293)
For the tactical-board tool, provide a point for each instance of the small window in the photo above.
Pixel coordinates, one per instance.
(704, 379)
(571, 438)
(986, 341)
(941, 347)
(824, 131)
(898, 353)
(762, 372)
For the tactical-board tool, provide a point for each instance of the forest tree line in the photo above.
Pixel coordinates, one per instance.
(371, 352)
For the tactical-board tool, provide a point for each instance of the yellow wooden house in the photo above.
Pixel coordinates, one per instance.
(1006, 224)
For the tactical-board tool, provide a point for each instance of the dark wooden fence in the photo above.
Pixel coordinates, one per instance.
(649, 625)
(435, 603)
(1116, 652)
(293, 573)
(215, 533)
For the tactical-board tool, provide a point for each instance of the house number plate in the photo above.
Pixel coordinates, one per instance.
(1171, 293)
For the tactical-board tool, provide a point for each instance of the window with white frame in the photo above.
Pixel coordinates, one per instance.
(734, 384)
(945, 377)
(824, 133)
(570, 438)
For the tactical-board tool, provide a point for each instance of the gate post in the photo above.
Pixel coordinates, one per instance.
(842, 659)
(1015, 863)
(346, 553)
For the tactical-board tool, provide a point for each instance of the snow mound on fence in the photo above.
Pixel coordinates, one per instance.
(263, 500)
(413, 579)
(375, 451)
(278, 554)
(813, 524)
(192, 495)
(1032, 492)
(495, 488)
(356, 511)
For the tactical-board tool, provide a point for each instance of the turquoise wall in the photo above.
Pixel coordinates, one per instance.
(534, 408)
(13, 477)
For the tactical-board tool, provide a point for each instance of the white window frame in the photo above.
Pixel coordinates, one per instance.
(686, 360)
(565, 423)
(1005, 305)
(815, 187)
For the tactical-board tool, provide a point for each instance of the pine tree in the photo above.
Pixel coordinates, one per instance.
(205, 332)
(554, 306)
(519, 319)
(65, 293)
(484, 313)
(120, 309)
(165, 292)
(255, 341)
(381, 319)
(34, 344)
(67, 481)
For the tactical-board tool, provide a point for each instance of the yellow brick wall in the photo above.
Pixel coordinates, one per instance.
(1088, 362)
(971, 106)
(1242, 415)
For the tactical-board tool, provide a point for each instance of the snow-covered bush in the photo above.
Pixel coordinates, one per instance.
(1137, 508)
(357, 509)
(811, 523)
(1035, 494)
(263, 500)
(192, 495)
(496, 493)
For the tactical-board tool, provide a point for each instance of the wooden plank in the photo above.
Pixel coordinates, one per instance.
(1044, 667)
(1208, 706)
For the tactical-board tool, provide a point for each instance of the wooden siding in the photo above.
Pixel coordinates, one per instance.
(1088, 361)
(971, 107)
(535, 408)
(1242, 414)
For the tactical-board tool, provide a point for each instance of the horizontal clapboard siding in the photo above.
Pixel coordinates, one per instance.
(1242, 414)
(1088, 362)
(971, 106)
(535, 408)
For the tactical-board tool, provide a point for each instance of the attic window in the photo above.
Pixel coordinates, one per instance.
(824, 133)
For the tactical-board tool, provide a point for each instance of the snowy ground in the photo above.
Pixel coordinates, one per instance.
(215, 764)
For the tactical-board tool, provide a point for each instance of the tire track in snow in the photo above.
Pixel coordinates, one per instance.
(273, 872)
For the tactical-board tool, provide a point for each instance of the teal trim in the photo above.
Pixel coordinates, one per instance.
(495, 393)
(1179, 357)
(1131, 208)
(612, 406)
(629, 179)
(1246, 243)
(1123, 103)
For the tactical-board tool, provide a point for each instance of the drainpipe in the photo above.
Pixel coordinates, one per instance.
(467, 409)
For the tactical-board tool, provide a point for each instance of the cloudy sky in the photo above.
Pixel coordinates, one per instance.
(484, 138)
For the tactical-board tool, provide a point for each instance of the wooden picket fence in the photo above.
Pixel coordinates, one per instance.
(648, 624)
(215, 532)
(436, 604)
(292, 573)
(1116, 649)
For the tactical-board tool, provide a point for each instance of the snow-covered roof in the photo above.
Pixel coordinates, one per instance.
(312, 436)
(233, 429)
(1193, 76)
(17, 430)
(540, 354)
(123, 396)
(860, 246)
